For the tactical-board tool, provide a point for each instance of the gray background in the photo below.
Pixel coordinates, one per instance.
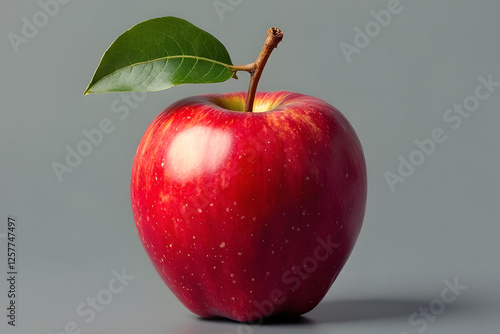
(441, 223)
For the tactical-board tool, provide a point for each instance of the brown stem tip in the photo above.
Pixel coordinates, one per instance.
(277, 33)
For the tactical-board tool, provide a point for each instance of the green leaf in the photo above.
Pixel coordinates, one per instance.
(158, 54)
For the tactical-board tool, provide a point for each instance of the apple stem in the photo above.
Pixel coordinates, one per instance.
(274, 36)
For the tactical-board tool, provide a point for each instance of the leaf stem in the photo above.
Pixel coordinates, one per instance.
(274, 36)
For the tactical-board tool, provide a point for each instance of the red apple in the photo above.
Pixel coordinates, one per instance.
(247, 215)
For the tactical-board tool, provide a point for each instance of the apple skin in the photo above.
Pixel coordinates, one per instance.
(249, 215)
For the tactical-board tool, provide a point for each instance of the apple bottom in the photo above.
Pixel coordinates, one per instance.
(249, 215)
(282, 298)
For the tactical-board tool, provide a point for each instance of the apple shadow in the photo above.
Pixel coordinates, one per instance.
(359, 310)
(337, 312)
(221, 325)
(333, 312)
(280, 320)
